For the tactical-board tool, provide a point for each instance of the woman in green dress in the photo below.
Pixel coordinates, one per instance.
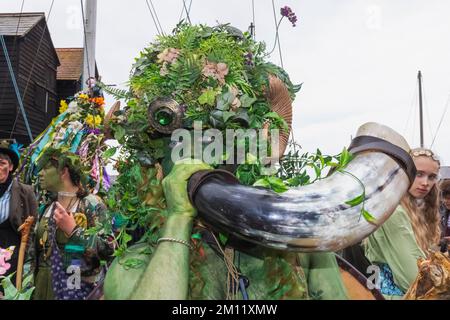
(68, 259)
(411, 231)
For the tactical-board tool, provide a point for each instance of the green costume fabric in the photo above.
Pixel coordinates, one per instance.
(174, 271)
(394, 244)
(277, 275)
(96, 247)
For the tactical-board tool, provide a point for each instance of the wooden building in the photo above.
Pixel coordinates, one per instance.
(34, 61)
(70, 71)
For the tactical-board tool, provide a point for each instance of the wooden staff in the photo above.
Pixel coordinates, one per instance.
(24, 230)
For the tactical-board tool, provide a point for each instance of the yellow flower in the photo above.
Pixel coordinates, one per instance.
(63, 106)
(83, 96)
(92, 121)
(98, 120)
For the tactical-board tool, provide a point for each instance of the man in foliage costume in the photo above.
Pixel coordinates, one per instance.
(217, 76)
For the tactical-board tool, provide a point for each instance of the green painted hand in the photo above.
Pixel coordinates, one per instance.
(175, 186)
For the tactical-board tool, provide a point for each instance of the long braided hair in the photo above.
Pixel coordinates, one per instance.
(424, 213)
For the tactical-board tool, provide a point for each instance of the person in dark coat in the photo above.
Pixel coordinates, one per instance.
(17, 202)
(444, 186)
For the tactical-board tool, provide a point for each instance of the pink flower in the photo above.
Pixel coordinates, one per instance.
(5, 255)
(216, 70)
(169, 55)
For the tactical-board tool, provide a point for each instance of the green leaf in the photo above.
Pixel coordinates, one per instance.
(345, 158)
(119, 133)
(227, 115)
(246, 101)
(274, 183)
(272, 115)
(296, 88)
(126, 238)
(223, 238)
(263, 182)
(208, 97)
(224, 101)
(277, 185)
(369, 218)
(9, 289)
(356, 201)
(109, 153)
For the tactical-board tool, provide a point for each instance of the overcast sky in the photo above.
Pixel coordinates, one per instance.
(358, 59)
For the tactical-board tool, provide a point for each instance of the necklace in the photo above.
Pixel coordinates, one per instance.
(66, 194)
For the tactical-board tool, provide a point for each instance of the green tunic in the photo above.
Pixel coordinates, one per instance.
(394, 244)
(96, 246)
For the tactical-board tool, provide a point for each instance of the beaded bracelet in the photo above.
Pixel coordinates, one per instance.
(186, 243)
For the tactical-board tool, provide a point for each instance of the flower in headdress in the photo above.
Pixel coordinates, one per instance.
(63, 106)
(288, 13)
(169, 55)
(83, 96)
(95, 131)
(93, 121)
(216, 70)
(98, 101)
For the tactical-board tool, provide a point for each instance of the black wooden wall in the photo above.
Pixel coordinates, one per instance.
(35, 63)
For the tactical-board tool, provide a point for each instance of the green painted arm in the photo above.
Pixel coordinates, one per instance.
(167, 274)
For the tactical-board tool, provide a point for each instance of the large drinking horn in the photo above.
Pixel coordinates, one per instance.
(313, 217)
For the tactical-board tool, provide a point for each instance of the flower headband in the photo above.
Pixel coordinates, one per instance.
(417, 152)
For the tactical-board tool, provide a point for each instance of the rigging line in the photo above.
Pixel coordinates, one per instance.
(440, 121)
(85, 40)
(153, 18)
(187, 12)
(425, 106)
(14, 52)
(277, 33)
(412, 107)
(34, 63)
(157, 18)
(414, 127)
(181, 14)
(16, 89)
(182, 11)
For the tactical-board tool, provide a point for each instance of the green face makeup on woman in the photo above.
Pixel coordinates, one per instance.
(50, 178)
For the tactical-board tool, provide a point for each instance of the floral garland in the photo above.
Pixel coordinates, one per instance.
(78, 129)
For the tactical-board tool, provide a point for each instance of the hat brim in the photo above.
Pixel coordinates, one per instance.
(12, 155)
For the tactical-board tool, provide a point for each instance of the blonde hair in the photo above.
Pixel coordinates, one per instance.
(424, 214)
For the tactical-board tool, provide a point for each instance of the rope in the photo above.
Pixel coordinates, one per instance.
(85, 40)
(182, 11)
(16, 88)
(157, 18)
(34, 63)
(425, 106)
(411, 108)
(187, 12)
(14, 51)
(153, 18)
(440, 121)
(277, 33)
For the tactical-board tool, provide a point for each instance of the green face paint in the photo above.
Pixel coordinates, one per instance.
(50, 179)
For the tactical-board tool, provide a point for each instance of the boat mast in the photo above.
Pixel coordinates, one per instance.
(419, 77)
(90, 23)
